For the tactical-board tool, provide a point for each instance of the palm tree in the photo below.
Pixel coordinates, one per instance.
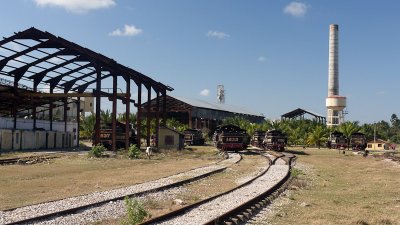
(317, 136)
(348, 128)
(87, 126)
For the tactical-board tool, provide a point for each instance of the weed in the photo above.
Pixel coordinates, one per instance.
(135, 212)
(133, 152)
(296, 172)
(97, 151)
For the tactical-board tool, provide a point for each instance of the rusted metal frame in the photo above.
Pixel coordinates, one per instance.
(157, 117)
(22, 70)
(139, 114)
(83, 87)
(59, 77)
(78, 120)
(65, 111)
(69, 84)
(114, 114)
(51, 111)
(127, 111)
(148, 117)
(14, 108)
(34, 108)
(164, 93)
(190, 118)
(98, 108)
(17, 54)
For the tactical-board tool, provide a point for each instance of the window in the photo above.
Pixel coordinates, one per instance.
(379, 145)
(169, 140)
(369, 146)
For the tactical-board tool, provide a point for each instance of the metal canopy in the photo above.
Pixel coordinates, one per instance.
(299, 113)
(33, 58)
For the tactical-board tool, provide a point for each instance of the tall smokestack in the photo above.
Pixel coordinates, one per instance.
(334, 102)
(333, 80)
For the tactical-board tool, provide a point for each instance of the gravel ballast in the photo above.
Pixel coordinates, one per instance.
(95, 197)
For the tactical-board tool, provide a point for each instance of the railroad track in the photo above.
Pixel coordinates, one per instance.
(27, 160)
(228, 208)
(48, 210)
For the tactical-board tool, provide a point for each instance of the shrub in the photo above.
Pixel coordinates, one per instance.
(133, 152)
(97, 151)
(135, 211)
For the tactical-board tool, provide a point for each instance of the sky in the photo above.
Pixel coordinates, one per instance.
(271, 56)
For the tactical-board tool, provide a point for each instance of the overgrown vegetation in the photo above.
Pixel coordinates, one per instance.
(97, 151)
(136, 213)
(133, 152)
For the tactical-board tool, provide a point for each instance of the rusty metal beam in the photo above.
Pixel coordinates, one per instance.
(138, 114)
(127, 112)
(148, 115)
(114, 114)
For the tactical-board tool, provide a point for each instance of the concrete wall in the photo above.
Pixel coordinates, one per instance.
(30, 140)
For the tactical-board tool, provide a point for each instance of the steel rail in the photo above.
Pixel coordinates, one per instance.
(180, 211)
(96, 204)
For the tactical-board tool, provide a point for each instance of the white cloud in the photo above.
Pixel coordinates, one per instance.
(77, 6)
(296, 9)
(217, 34)
(380, 93)
(262, 59)
(205, 92)
(129, 30)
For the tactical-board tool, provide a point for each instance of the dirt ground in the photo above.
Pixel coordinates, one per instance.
(74, 173)
(341, 189)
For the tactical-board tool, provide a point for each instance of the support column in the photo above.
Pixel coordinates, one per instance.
(98, 98)
(127, 111)
(51, 112)
(164, 108)
(65, 112)
(139, 114)
(34, 108)
(148, 114)
(190, 118)
(78, 119)
(157, 117)
(114, 115)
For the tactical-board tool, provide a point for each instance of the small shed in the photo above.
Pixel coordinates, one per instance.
(170, 138)
(378, 145)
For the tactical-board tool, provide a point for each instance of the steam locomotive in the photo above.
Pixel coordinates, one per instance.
(230, 138)
(358, 141)
(337, 141)
(258, 138)
(193, 137)
(106, 135)
(275, 140)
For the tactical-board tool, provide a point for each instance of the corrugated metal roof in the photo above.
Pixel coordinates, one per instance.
(222, 107)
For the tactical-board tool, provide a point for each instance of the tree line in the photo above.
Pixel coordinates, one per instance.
(299, 132)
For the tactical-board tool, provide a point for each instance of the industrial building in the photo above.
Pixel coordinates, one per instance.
(30, 119)
(200, 114)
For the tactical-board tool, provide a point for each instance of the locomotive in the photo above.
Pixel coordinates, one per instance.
(258, 138)
(193, 137)
(358, 141)
(230, 137)
(106, 135)
(275, 140)
(337, 141)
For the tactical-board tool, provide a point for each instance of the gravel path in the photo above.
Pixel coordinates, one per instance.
(68, 203)
(216, 207)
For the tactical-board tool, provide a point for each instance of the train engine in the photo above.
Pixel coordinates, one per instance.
(258, 138)
(193, 137)
(337, 141)
(106, 135)
(358, 141)
(275, 140)
(230, 137)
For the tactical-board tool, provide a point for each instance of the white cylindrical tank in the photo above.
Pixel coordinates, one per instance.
(336, 102)
(333, 69)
